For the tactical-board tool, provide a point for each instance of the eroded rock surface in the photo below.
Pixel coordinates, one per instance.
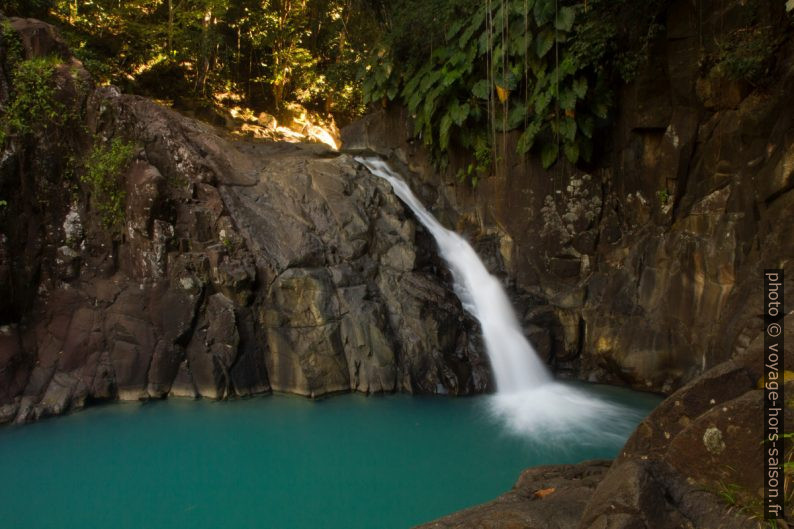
(241, 267)
(645, 270)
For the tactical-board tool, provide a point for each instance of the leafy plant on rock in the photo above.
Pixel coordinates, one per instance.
(33, 105)
(102, 172)
(10, 44)
(506, 67)
(747, 54)
(541, 68)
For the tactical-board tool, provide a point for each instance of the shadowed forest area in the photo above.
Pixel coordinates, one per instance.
(466, 71)
(261, 54)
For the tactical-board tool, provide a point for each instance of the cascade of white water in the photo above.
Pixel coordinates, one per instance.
(528, 399)
(515, 363)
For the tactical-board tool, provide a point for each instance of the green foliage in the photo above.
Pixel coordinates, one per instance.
(747, 51)
(102, 173)
(269, 52)
(750, 503)
(663, 196)
(538, 67)
(747, 54)
(228, 244)
(30, 8)
(413, 29)
(495, 71)
(613, 36)
(33, 106)
(729, 492)
(481, 164)
(10, 44)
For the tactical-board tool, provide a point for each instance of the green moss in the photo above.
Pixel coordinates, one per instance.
(101, 174)
(228, 244)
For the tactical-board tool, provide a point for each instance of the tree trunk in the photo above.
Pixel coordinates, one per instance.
(204, 60)
(237, 61)
(329, 100)
(170, 46)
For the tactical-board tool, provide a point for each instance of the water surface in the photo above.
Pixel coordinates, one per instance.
(276, 462)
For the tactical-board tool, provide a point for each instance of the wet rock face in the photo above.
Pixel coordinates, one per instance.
(242, 267)
(348, 305)
(646, 270)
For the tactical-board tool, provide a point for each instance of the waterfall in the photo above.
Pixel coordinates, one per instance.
(528, 399)
(516, 366)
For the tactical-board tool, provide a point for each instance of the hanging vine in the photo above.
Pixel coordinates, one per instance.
(512, 65)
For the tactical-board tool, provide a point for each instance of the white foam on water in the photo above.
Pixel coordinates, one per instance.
(528, 399)
(558, 412)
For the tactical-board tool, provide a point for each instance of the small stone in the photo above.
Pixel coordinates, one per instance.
(712, 439)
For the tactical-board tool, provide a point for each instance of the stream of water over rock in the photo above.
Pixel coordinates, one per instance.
(528, 398)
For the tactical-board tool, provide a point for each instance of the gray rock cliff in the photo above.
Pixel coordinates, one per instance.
(242, 267)
(646, 269)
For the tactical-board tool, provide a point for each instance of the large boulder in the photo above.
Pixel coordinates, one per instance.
(241, 267)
